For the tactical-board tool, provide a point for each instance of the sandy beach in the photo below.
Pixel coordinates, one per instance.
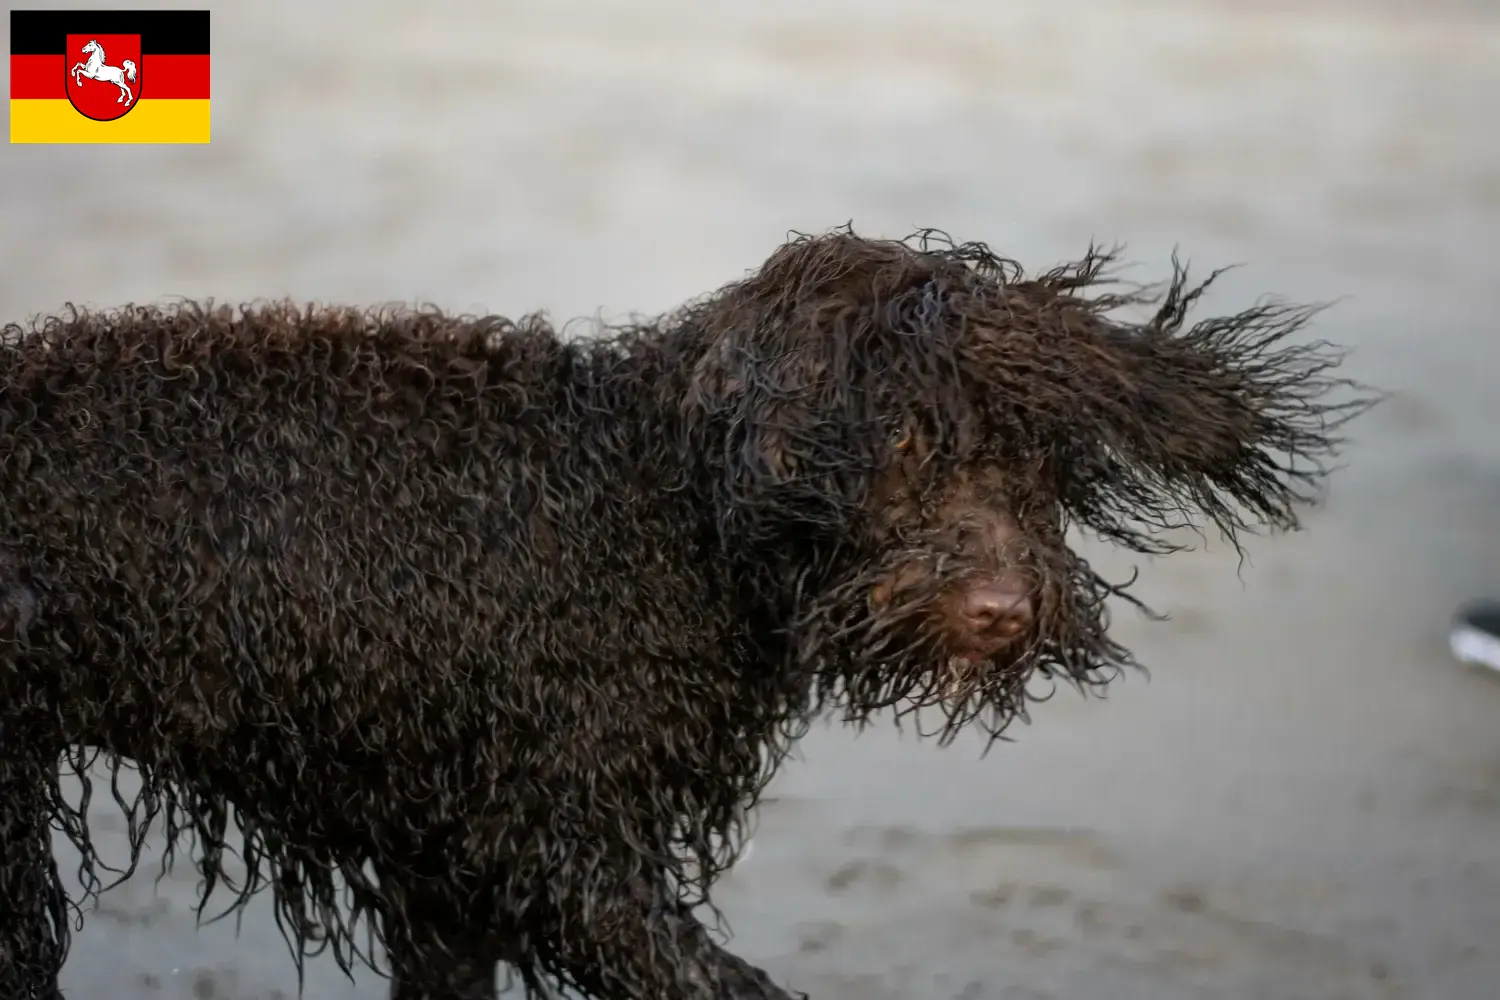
(1303, 800)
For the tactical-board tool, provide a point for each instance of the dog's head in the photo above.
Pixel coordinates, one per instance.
(901, 434)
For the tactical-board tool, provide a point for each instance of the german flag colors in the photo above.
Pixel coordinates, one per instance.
(109, 76)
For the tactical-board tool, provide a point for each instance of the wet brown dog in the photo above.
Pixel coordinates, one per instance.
(501, 629)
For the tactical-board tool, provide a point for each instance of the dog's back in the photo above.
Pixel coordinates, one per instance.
(295, 551)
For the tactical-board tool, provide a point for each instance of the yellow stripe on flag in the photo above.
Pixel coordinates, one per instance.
(150, 121)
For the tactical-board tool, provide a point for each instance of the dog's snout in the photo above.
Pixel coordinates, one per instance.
(1000, 609)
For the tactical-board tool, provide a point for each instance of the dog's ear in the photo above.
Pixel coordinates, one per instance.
(1230, 416)
(780, 435)
(770, 402)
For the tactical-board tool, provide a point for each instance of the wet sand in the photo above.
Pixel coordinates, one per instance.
(1304, 800)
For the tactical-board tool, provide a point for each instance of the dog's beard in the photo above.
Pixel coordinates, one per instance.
(870, 656)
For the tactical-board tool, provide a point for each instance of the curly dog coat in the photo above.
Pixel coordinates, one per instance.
(487, 641)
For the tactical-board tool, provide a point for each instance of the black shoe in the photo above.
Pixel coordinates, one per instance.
(1475, 635)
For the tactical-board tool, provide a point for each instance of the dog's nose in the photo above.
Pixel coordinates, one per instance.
(998, 609)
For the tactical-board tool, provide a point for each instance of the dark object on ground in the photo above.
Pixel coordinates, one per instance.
(1474, 636)
(499, 627)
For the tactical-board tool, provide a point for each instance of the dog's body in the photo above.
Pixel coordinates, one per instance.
(516, 622)
(345, 604)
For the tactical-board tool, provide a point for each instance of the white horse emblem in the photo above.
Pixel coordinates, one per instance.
(95, 69)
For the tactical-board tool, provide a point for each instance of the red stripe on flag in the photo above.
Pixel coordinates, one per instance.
(42, 78)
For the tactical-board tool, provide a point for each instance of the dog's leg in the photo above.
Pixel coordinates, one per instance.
(440, 962)
(436, 951)
(646, 946)
(443, 977)
(34, 925)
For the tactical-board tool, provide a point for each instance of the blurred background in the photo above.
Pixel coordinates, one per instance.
(1304, 799)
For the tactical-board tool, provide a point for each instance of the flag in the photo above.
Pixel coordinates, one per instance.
(109, 76)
